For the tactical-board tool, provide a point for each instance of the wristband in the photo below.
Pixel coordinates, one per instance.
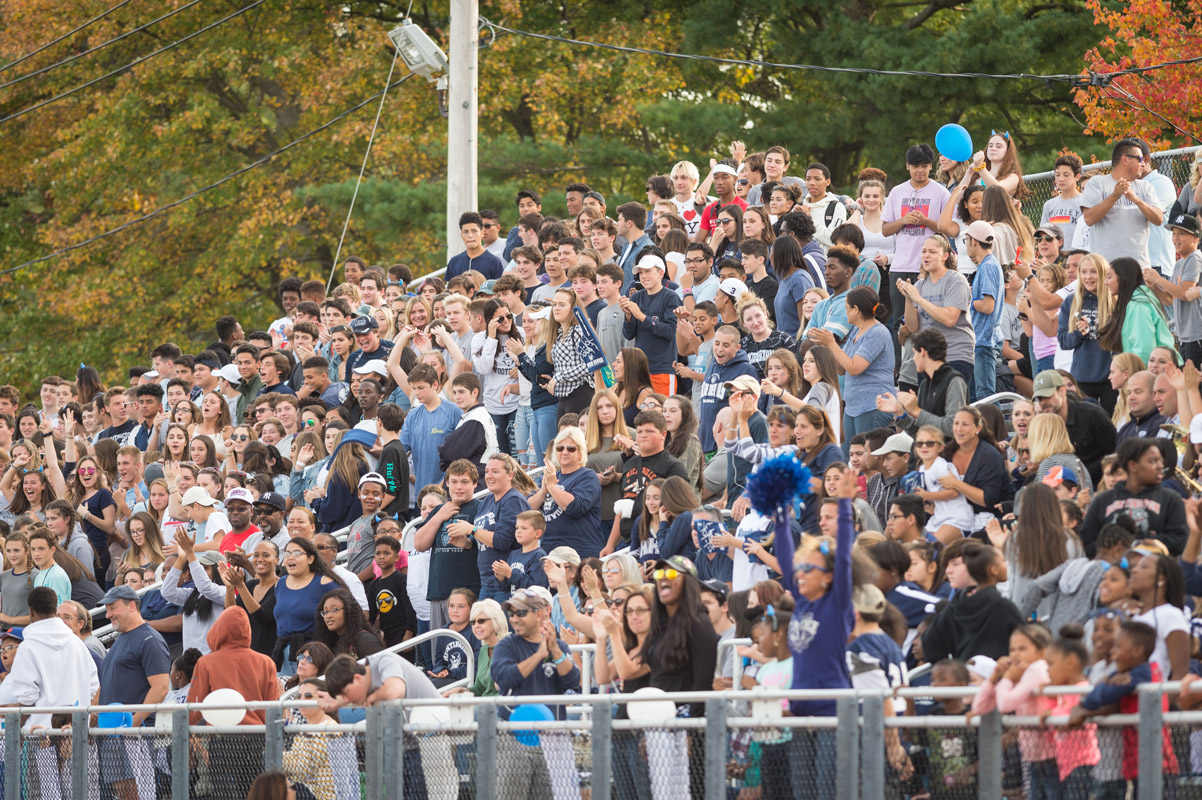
(562, 658)
(475, 529)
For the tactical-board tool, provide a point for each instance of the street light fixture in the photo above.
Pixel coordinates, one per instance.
(419, 52)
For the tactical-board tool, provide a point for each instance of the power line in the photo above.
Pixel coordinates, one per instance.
(1157, 114)
(66, 35)
(1077, 80)
(100, 46)
(130, 65)
(236, 173)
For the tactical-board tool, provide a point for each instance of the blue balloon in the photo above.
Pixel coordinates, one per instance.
(953, 142)
(530, 713)
(114, 719)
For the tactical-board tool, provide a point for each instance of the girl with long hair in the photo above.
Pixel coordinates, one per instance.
(604, 434)
(306, 581)
(677, 499)
(950, 173)
(1050, 446)
(194, 584)
(761, 339)
(341, 625)
(1039, 541)
(682, 442)
(145, 542)
(998, 166)
(312, 659)
(1122, 367)
(265, 459)
(1082, 315)
(310, 454)
(88, 493)
(794, 281)
(63, 521)
(571, 381)
(644, 543)
(782, 383)
(342, 344)
(1138, 324)
(665, 223)
(339, 505)
(866, 358)
(820, 383)
(1159, 586)
(418, 313)
(976, 457)
(175, 444)
(203, 452)
(870, 196)
(493, 362)
(809, 302)
(88, 384)
(634, 382)
(1011, 230)
(728, 233)
(623, 632)
(963, 209)
(1040, 325)
(215, 419)
(531, 356)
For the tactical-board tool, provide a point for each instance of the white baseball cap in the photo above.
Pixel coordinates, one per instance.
(238, 493)
(199, 494)
(375, 365)
(230, 373)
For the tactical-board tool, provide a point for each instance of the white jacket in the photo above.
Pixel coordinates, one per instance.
(52, 668)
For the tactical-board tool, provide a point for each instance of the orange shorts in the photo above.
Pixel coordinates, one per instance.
(664, 384)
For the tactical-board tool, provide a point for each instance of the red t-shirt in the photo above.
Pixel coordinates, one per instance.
(711, 212)
(232, 541)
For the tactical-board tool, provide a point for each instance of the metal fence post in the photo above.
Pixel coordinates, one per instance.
(486, 752)
(179, 754)
(394, 749)
(872, 743)
(1151, 723)
(603, 739)
(715, 749)
(273, 752)
(12, 755)
(847, 745)
(989, 757)
(373, 745)
(79, 760)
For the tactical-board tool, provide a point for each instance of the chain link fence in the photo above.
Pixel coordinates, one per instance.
(600, 747)
(1173, 163)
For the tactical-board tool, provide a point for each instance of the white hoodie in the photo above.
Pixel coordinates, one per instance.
(52, 668)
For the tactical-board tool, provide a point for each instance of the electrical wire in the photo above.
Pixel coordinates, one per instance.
(100, 46)
(236, 173)
(1157, 114)
(65, 36)
(1100, 78)
(358, 181)
(130, 65)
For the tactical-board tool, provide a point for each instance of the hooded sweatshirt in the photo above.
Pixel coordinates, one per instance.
(972, 624)
(713, 393)
(52, 668)
(1145, 326)
(231, 664)
(1068, 593)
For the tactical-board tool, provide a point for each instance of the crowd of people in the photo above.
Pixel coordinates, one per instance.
(549, 446)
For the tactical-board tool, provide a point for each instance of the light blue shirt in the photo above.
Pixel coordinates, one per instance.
(875, 345)
(831, 313)
(987, 283)
(423, 433)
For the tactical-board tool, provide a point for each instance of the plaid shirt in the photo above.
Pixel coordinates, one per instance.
(570, 370)
(881, 493)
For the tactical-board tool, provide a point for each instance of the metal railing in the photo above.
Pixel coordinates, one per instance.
(487, 744)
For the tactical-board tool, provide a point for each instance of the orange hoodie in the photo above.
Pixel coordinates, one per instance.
(233, 665)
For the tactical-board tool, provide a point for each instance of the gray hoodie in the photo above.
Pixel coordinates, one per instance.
(1068, 593)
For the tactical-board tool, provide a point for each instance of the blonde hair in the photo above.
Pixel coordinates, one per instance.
(1105, 299)
(1129, 363)
(1047, 436)
(592, 430)
(689, 168)
(1195, 170)
(574, 433)
(749, 300)
(388, 331)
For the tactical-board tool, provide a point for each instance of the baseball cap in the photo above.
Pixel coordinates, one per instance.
(563, 555)
(198, 494)
(375, 366)
(363, 325)
(1046, 384)
(868, 599)
(651, 261)
(1058, 475)
(230, 373)
(897, 443)
(743, 383)
(14, 633)
(595, 195)
(714, 585)
(1150, 547)
(980, 230)
(528, 599)
(1050, 230)
(373, 477)
(210, 558)
(272, 499)
(238, 493)
(119, 593)
(724, 169)
(540, 313)
(1186, 222)
(678, 563)
(1195, 430)
(733, 287)
(153, 472)
(981, 666)
(487, 287)
(154, 373)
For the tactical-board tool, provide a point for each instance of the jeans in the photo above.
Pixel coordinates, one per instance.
(1077, 785)
(984, 371)
(543, 432)
(523, 427)
(1042, 779)
(490, 589)
(815, 771)
(504, 423)
(423, 626)
(1045, 363)
(965, 368)
(1192, 351)
(862, 423)
(631, 779)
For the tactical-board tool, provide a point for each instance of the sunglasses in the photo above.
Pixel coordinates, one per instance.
(569, 448)
(308, 696)
(240, 438)
(806, 568)
(304, 657)
(665, 574)
(520, 613)
(926, 443)
(1043, 238)
(727, 221)
(480, 621)
(86, 470)
(744, 182)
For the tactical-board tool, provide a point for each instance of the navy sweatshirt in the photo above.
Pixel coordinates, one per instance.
(713, 393)
(656, 334)
(533, 370)
(579, 525)
(544, 680)
(340, 507)
(1091, 363)
(500, 517)
(527, 570)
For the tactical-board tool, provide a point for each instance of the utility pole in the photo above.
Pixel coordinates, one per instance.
(461, 117)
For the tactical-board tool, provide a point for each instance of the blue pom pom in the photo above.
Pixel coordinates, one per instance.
(776, 484)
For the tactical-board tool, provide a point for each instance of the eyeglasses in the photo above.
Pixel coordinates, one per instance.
(695, 261)
(520, 613)
(569, 448)
(926, 443)
(295, 554)
(8, 648)
(649, 404)
(665, 575)
(636, 610)
(806, 568)
(329, 612)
